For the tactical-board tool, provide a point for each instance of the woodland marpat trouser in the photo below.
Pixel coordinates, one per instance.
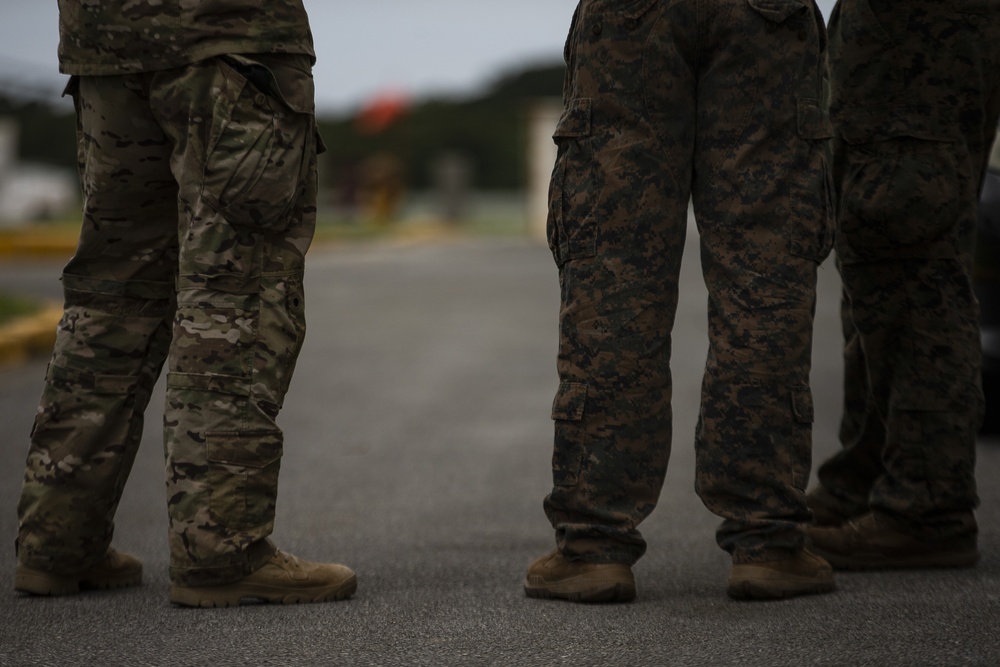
(720, 103)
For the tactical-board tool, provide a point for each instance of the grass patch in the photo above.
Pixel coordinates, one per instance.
(13, 307)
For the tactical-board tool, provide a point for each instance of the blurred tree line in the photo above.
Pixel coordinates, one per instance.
(487, 129)
(46, 132)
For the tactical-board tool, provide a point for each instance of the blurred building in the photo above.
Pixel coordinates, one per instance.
(542, 120)
(30, 192)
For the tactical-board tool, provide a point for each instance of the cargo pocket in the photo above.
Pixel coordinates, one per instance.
(256, 162)
(572, 191)
(917, 422)
(243, 477)
(803, 414)
(899, 201)
(111, 396)
(811, 223)
(215, 339)
(568, 410)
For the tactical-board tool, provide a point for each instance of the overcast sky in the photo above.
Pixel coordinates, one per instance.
(420, 47)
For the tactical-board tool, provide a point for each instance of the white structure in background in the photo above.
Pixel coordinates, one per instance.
(30, 192)
(542, 121)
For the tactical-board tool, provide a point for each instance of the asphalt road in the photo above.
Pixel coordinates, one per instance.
(417, 451)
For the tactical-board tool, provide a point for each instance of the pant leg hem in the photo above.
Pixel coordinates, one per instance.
(255, 556)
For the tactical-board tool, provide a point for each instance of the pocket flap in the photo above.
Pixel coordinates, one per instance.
(861, 128)
(570, 402)
(575, 119)
(292, 85)
(251, 449)
(638, 8)
(226, 385)
(777, 11)
(99, 384)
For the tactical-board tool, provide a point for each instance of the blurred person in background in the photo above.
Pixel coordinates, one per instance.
(915, 100)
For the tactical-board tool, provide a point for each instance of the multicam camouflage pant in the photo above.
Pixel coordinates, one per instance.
(199, 191)
(719, 101)
(916, 95)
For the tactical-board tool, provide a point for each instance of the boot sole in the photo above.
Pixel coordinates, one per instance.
(576, 590)
(35, 582)
(751, 589)
(232, 595)
(877, 561)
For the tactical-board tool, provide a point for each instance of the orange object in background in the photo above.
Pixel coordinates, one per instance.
(382, 111)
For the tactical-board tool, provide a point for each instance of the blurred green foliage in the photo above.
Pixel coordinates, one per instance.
(488, 130)
(46, 132)
(12, 307)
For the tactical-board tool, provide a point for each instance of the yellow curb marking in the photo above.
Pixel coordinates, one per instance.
(27, 336)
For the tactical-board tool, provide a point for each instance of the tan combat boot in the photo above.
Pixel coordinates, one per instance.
(876, 541)
(115, 570)
(802, 574)
(283, 579)
(829, 510)
(553, 576)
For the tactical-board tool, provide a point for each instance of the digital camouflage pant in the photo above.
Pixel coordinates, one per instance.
(916, 95)
(199, 189)
(719, 102)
